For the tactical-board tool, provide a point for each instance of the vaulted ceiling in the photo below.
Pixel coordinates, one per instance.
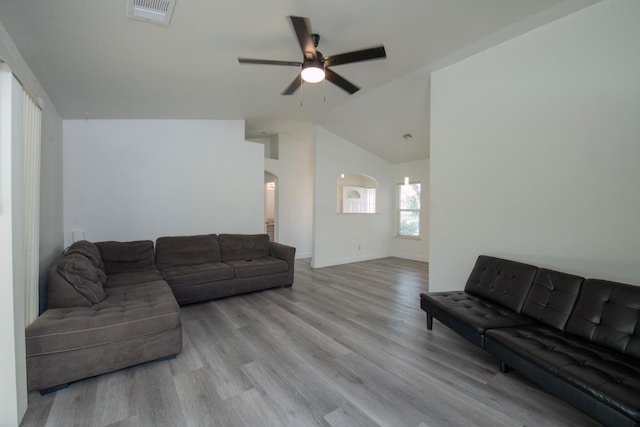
(96, 63)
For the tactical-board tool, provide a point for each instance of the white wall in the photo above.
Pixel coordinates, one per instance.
(51, 194)
(13, 390)
(51, 222)
(535, 150)
(344, 238)
(410, 248)
(294, 170)
(142, 179)
(13, 393)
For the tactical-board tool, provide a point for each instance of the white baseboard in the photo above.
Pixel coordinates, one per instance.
(302, 255)
(315, 263)
(414, 257)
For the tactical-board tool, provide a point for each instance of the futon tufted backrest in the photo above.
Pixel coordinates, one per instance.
(502, 281)
(608, 314)
(552, 297)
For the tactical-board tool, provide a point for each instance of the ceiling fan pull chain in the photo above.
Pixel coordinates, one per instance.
(324, 84)
(301, 88)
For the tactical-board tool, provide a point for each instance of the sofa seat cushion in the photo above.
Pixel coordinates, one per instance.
(133, 278)
(252, 267)
(606, 375)
(477, 313)
(184, 275)
(127, 312)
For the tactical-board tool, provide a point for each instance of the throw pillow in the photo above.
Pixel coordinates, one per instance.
(83, 276)
(91, 252)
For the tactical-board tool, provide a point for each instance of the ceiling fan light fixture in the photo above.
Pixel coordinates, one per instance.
(312, 72)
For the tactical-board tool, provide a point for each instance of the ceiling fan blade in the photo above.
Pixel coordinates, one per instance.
(356, 56)
(268, 62)
(340, 81)
(295, 84)
(302, 28)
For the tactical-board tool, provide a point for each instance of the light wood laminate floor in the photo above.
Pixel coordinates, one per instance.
(346, 346)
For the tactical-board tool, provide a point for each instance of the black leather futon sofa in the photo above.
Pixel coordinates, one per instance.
(577, 338)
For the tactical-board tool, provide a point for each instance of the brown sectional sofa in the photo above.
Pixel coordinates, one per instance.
(111, 305)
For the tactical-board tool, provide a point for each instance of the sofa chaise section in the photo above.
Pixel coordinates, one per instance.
(132, 325)
(90, 328)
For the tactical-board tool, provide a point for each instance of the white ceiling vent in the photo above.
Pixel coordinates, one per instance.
(158, 11)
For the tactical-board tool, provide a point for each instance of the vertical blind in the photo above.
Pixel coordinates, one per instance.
(31, 135)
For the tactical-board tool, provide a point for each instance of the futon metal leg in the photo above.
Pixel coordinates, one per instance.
(429, 321)
(504, 368)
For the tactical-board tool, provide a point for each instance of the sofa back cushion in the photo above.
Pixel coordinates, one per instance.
(187, 250)
(552, 297)
(82, 275)
(121, 257)
(89, 250)
(502, 281)
(243, 246)
(608, 314)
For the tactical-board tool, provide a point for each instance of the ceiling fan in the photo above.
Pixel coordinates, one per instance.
(315, 66)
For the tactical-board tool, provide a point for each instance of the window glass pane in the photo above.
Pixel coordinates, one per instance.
(371, 200)
(410, 196)
(409, 212)
(410, 223)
